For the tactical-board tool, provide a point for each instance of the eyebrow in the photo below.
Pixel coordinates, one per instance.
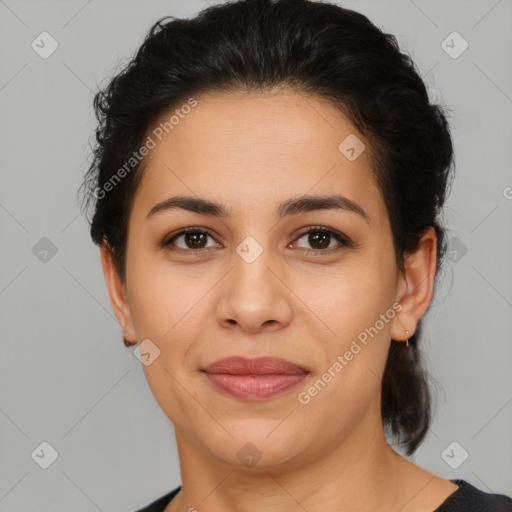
(294, 206)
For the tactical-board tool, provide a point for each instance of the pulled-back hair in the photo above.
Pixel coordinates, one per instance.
(315, 48)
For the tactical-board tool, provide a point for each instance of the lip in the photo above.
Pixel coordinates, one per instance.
(239, 365)
(254, 379)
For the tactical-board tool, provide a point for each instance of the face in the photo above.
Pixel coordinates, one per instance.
(313, 284)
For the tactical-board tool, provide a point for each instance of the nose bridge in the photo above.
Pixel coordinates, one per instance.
(252, 260)
(251, 250)
(254, 297)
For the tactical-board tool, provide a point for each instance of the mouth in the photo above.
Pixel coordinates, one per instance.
(254, 379)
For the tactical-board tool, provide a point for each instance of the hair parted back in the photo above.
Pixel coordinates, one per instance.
(316, 48)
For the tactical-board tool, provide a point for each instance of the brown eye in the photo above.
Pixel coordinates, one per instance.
(319, 239)
(192, 239)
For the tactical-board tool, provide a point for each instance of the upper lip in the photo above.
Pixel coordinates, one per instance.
(239, 365)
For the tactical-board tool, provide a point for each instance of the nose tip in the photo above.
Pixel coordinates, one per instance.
(253, 297)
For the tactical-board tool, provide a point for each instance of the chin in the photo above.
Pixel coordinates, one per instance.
(256, 444)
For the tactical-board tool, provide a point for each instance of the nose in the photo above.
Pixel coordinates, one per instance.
(254, 296)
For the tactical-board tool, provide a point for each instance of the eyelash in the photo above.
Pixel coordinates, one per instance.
(342, 239)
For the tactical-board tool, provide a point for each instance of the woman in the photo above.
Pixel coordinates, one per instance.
(266, 189)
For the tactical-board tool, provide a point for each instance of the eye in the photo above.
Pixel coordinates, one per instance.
(320, 238)
(193, 239)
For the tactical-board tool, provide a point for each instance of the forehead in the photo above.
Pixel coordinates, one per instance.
(252, 149)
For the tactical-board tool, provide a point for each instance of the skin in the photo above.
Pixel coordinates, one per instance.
(251, 151)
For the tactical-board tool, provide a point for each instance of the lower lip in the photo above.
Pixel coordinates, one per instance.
(255, 387)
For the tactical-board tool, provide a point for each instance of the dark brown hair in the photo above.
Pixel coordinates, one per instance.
(316, 48)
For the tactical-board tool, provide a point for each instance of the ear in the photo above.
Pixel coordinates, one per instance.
(416, 286)
(117, 292)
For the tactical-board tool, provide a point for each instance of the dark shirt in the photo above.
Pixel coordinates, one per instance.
(466, 498)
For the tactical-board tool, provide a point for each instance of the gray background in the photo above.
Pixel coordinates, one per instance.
(65, 376)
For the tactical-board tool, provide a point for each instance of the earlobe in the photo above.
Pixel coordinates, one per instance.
(416, 286)
(116, 292)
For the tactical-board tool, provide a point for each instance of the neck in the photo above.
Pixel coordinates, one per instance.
(358, 473)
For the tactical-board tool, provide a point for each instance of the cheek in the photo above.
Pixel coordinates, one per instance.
(348, 299)
(164, 303)
(358, 311)
(165, 309)
(355, 357)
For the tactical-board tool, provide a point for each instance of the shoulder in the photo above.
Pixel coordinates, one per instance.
(160, 504)
(468, 498)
